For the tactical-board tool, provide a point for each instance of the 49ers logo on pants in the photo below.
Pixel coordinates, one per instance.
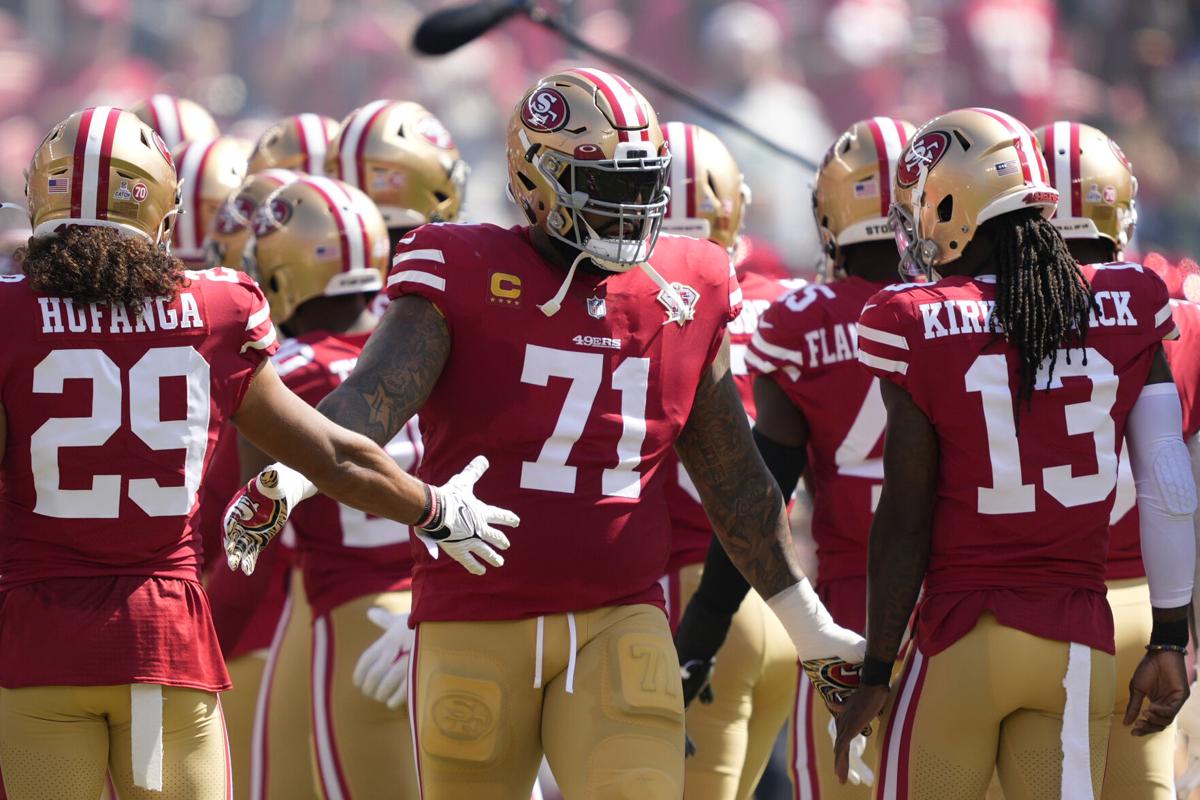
(545, 110)
(924, 152)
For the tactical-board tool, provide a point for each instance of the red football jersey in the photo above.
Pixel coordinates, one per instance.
(576, 412)
(1183, 354)
(343, 552)
(807, 344)
(690, 527)
(112, 422)
(1020, 524)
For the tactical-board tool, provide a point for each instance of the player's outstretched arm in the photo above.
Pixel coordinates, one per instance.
(345, 465)
(746, 508)
(781, 435)
(1166, 497)
(395, 372)
(897, 555)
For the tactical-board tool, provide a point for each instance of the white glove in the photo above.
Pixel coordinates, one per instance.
(462, 526)
(812, 630)
(382, 670)
(1189, 727)
(859, 774)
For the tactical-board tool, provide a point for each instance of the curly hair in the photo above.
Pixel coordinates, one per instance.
(93, 264)
(1043, 300)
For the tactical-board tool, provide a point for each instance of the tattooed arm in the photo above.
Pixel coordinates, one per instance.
(741, 498)
(395, 373)
(898, 552)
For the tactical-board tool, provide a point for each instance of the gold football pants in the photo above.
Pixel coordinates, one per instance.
(363, 748)
(1140, 767)
(598, 692)
(61, 743)
(281, 765)
(754, 684)
(1034, 710)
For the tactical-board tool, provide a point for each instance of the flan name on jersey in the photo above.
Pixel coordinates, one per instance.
(64, 315)
(954, 317)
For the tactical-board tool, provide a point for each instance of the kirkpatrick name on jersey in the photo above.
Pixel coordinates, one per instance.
(954, 317)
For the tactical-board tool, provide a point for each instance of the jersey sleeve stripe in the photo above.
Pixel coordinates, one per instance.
(882, 337)
(262, 342)
(258, 317)
(758, 364)
(416, 276)
(886, 364)
(419, 255)
(735, 296)
(1163, 315)
(757, 342)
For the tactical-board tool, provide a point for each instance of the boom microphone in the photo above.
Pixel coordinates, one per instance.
(451, 28)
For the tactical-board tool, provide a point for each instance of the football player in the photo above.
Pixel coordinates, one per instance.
(1009, 384)
(321, 252)
(118, 372)
(818, 407)
(1096, 215)
(210, 170)
(735, 727)
(299, 142)
(176, 119)
(576, 352)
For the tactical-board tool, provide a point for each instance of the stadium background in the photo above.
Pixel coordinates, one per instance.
(797, 70)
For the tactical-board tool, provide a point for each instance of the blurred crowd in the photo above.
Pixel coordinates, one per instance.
(798, 70)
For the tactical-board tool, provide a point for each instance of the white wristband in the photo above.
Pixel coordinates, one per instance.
(290, 485)
(813, 631)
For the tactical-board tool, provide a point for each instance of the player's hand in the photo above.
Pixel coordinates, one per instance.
(463, 528)
(382, 670)
(859, 774)
(835, 679)
(253, 517)
(855, 719)
(1161, 677)
(700, 635)
(1189, 727)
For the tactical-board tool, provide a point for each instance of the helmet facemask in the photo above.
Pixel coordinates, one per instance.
(579, 186)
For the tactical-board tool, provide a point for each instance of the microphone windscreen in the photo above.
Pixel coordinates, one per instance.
(451, 28)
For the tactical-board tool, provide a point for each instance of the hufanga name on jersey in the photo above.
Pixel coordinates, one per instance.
(64, 315)
(955, 317)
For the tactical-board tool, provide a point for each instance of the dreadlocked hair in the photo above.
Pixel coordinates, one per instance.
(94, 264)
(1043, 299)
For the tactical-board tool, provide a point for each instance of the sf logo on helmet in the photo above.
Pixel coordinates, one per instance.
(544, 110)
(923, 153)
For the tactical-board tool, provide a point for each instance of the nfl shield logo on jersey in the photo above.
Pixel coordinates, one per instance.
(596, 307)
(675, 313)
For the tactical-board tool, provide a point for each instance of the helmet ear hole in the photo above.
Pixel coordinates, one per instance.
(945, 209)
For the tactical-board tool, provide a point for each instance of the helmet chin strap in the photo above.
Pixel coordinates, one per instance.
(552, 306)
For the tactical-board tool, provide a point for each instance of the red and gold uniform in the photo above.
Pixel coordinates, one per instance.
(807, 344)
(350, 562)
(111, 425)
(566, 647)
(1014, 589)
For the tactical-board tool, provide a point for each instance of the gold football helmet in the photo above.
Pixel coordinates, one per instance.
(317, 237)
(1091, 171)
(103, 166)
(176, 119)
(588, 165)
(708, 195)
(958, 171)
(852, 190)
(300, 143)
(209, 170)
(403, 158)
(230, 229)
